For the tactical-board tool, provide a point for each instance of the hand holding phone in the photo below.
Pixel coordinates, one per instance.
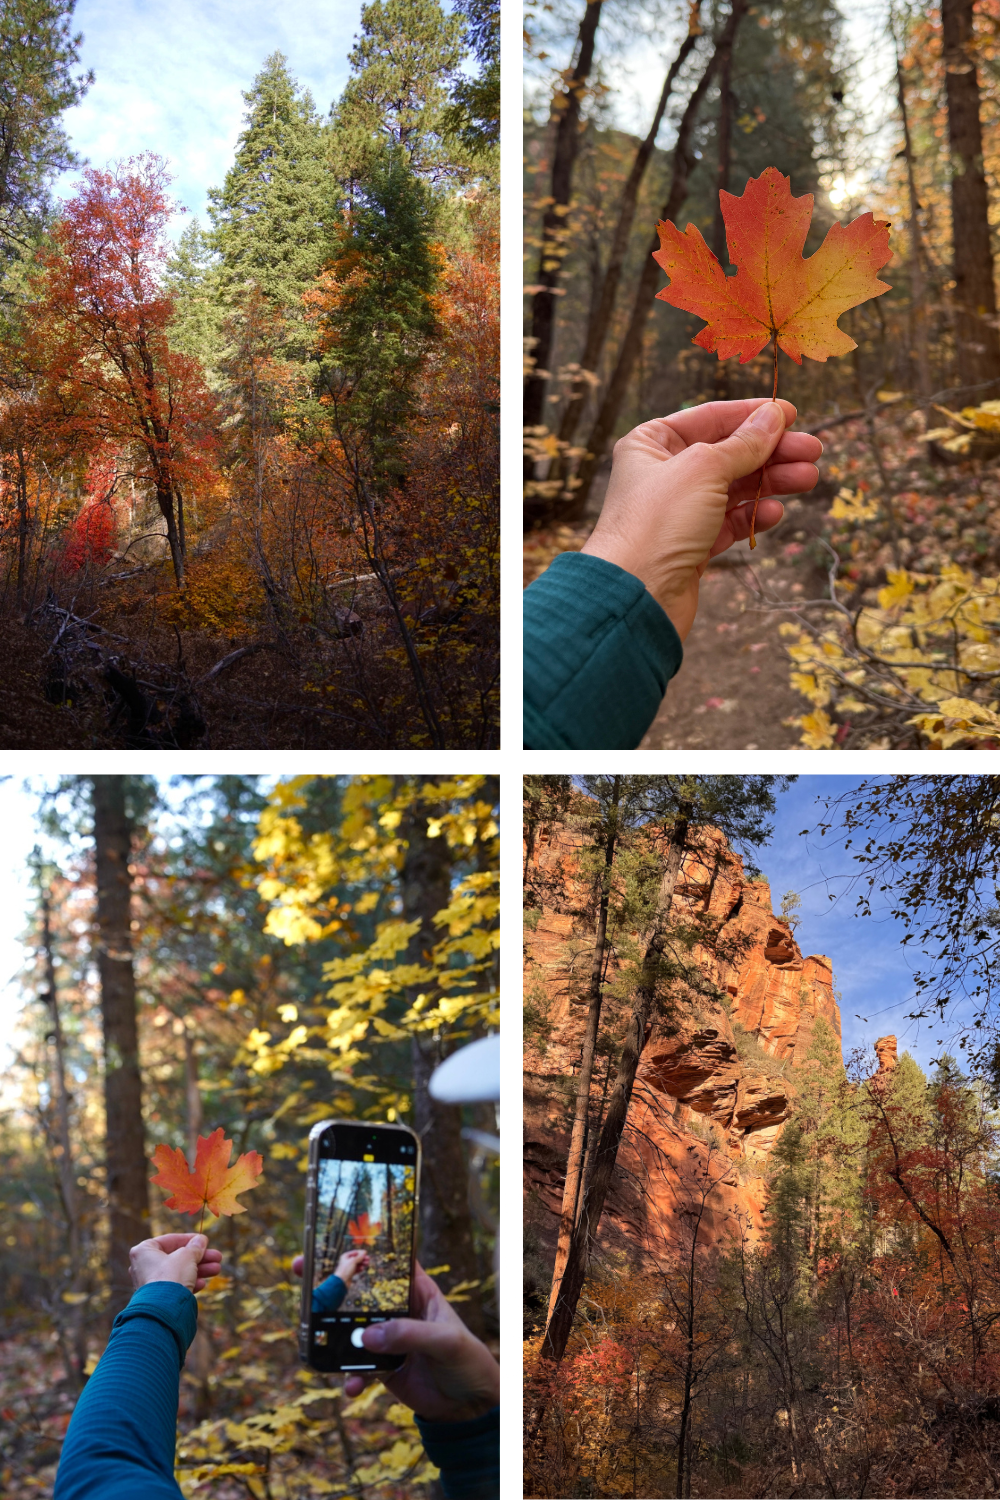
(448, 1375)
(361, 1214)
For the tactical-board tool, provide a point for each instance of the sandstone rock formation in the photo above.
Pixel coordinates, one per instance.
(715, 1082)
(885, 1051)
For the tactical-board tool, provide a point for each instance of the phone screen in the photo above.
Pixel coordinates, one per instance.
(362, 1218)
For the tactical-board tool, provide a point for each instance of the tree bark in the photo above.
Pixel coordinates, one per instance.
(574, 1161)
(561, 1321)
(566, 108)
(725, 143)
(128, 1197)
(976, 335)
(918, 293)
(600, 319)
(75, 1345)
(614, 396)
(193, 1094)
(446, 1233)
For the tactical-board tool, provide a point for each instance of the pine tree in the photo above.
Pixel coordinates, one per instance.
(401, 65)
(193, 279)
(37, 54)
(272, 219)
(474, 113)
(378, 314)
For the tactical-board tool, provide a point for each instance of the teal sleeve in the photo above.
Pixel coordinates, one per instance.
(120, 1442)
(467, 1453)
(598, 654)
(328, 1296)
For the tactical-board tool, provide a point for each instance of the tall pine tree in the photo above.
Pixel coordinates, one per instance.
(272, 219)
(193, 279)
(401, 67)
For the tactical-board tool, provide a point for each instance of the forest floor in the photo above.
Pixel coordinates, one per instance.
(244, 1399)
(734, 690)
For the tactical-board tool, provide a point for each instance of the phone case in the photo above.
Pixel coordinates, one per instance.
(383, 1361)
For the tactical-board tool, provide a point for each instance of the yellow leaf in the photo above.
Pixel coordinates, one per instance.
(75, 1298)
(900, 587)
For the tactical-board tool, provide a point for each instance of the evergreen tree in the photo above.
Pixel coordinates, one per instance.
(380, 315)
(193, 279)
(401, 65)
(474, 113)
(272, 219)
(37, 54)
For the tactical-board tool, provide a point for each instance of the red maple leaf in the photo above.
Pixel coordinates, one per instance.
(213, 1184)
(775, 293)
(362, 1232)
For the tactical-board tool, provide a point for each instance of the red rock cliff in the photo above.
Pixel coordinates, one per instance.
(694, 1091)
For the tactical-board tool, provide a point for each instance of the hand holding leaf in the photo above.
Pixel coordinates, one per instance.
(213, 1184)
(776, 294)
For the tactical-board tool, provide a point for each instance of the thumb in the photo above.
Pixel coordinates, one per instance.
(198, 1243)
(753, 442)
(413, 1336)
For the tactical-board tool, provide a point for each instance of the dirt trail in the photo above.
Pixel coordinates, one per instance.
(733, 690)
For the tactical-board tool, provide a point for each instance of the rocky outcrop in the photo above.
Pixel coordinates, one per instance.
(716, 1080)
(885, 1051)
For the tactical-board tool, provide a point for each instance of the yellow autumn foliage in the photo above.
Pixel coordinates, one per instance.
(923, 655)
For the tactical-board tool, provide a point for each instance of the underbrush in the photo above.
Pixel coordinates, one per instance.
(101, 663)
(897, 648)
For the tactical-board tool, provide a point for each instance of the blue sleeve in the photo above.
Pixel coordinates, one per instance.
(120, 1441)
(468, 1455)
(598, 654)
(328, 1296)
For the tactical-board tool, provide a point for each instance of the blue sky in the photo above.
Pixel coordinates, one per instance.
(169, 78)
(870, 969)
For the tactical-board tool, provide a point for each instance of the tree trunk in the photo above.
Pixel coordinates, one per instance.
(561, 1321)
(566, 108)
(22, 525)
(976, 335)
(574, 1161)
(193, 1093)
(75, 1345)
(600, 319)
(725, 143)
(918, 305)
(446, 1234)
(128, 1197)
(614, 396)
(165, 500)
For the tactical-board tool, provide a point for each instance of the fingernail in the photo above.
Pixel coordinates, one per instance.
(769, 417)
(374, 1337)
(820, 448)
(199, 1242)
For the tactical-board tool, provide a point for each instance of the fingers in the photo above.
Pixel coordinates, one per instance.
(716, 420)
(779, 479)
(168, 1243)
(440, 1340)
(736, 526)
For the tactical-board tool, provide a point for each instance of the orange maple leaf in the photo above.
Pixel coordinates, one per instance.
(363, 1232)
(775, 292)
(213, 1184)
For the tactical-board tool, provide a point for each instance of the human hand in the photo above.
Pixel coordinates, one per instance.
(350, 1264)
(682, 490)
(184, 1258)
(449, 1376)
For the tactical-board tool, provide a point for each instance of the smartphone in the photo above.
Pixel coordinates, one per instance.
(361, 1215)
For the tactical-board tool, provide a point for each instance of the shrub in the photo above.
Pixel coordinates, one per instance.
(752, 1054)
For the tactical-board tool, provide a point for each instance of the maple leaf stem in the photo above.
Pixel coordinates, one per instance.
(760, 481)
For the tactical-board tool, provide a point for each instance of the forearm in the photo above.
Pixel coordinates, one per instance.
(328, 1296)
(598, 654)
(120, 1442)
(468, 1455)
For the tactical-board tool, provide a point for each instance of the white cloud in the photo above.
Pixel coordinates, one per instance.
(169, 78)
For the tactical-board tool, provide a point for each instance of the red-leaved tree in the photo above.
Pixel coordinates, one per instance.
(99, 341)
